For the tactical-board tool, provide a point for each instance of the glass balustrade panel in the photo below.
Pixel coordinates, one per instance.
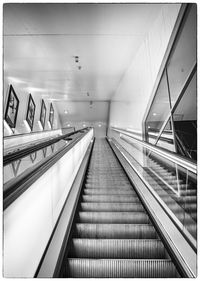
(16, 168)
(175, 185)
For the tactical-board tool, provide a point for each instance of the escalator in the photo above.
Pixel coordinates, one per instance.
(112, 234)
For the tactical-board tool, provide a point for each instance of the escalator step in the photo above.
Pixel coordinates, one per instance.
(114, 231)
(181, 187)
(111, 207)
(104, 169)
(111, 185)
(114, 217)
(188, 192)
(108, 186)
(112, 234)
(190, 199)
(105, 184)
(120, 268)
(110, 198)
(117, 248)
(111, 191)
(181, 201)
(192, 207)
(112, 180)
(107, 176)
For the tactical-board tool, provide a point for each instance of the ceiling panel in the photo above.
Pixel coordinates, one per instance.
(41, 40)
(79, 18)
(84, 111)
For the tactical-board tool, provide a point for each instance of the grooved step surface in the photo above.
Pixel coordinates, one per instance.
(107, 185)
(120, 268)
(110, 207)
(110, 198)
(113, 217)
(113, 235)
(116, 248)
(110, 191)
(125, 231)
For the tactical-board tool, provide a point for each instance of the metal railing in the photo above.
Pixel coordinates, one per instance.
(190, 165)
(16, 186)
(170, 177)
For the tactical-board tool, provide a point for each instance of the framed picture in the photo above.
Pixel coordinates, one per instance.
(51, 115)
(30, 112)
(12, 108)
(43, 114)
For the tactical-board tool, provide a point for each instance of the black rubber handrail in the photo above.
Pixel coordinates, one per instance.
(16, 155)
(15, 187)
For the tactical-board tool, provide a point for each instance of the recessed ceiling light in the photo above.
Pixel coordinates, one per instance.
(34, 89)
(16, 80)
(76, 59)
(154, 114)
(66, 111)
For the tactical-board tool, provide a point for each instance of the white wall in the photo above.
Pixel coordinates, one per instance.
(100, 128)
(85, 113)
(23, 95)
(131, 97)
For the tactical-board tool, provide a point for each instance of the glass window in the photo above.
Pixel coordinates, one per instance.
(166, 139)
(159, 110)
(183, 56)
(185, 121)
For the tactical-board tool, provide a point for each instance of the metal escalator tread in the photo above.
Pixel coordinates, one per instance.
(115, 231)
(110, 207)
(116, 248)
(113, 217)
(120, 268)
(112, 191)
(113, 235)
(110, 198)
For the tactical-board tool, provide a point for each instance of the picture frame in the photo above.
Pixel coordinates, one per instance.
(43, 114)
(12, 108)
(30, 112)
(51, 115)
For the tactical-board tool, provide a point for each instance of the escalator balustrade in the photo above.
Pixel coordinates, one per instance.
(113, 235)
(181, 198)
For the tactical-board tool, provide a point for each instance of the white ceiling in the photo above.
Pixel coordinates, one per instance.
(41, 40)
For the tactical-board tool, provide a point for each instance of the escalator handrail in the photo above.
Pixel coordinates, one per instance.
(15, 187)
(171, 156)
(16, 155)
